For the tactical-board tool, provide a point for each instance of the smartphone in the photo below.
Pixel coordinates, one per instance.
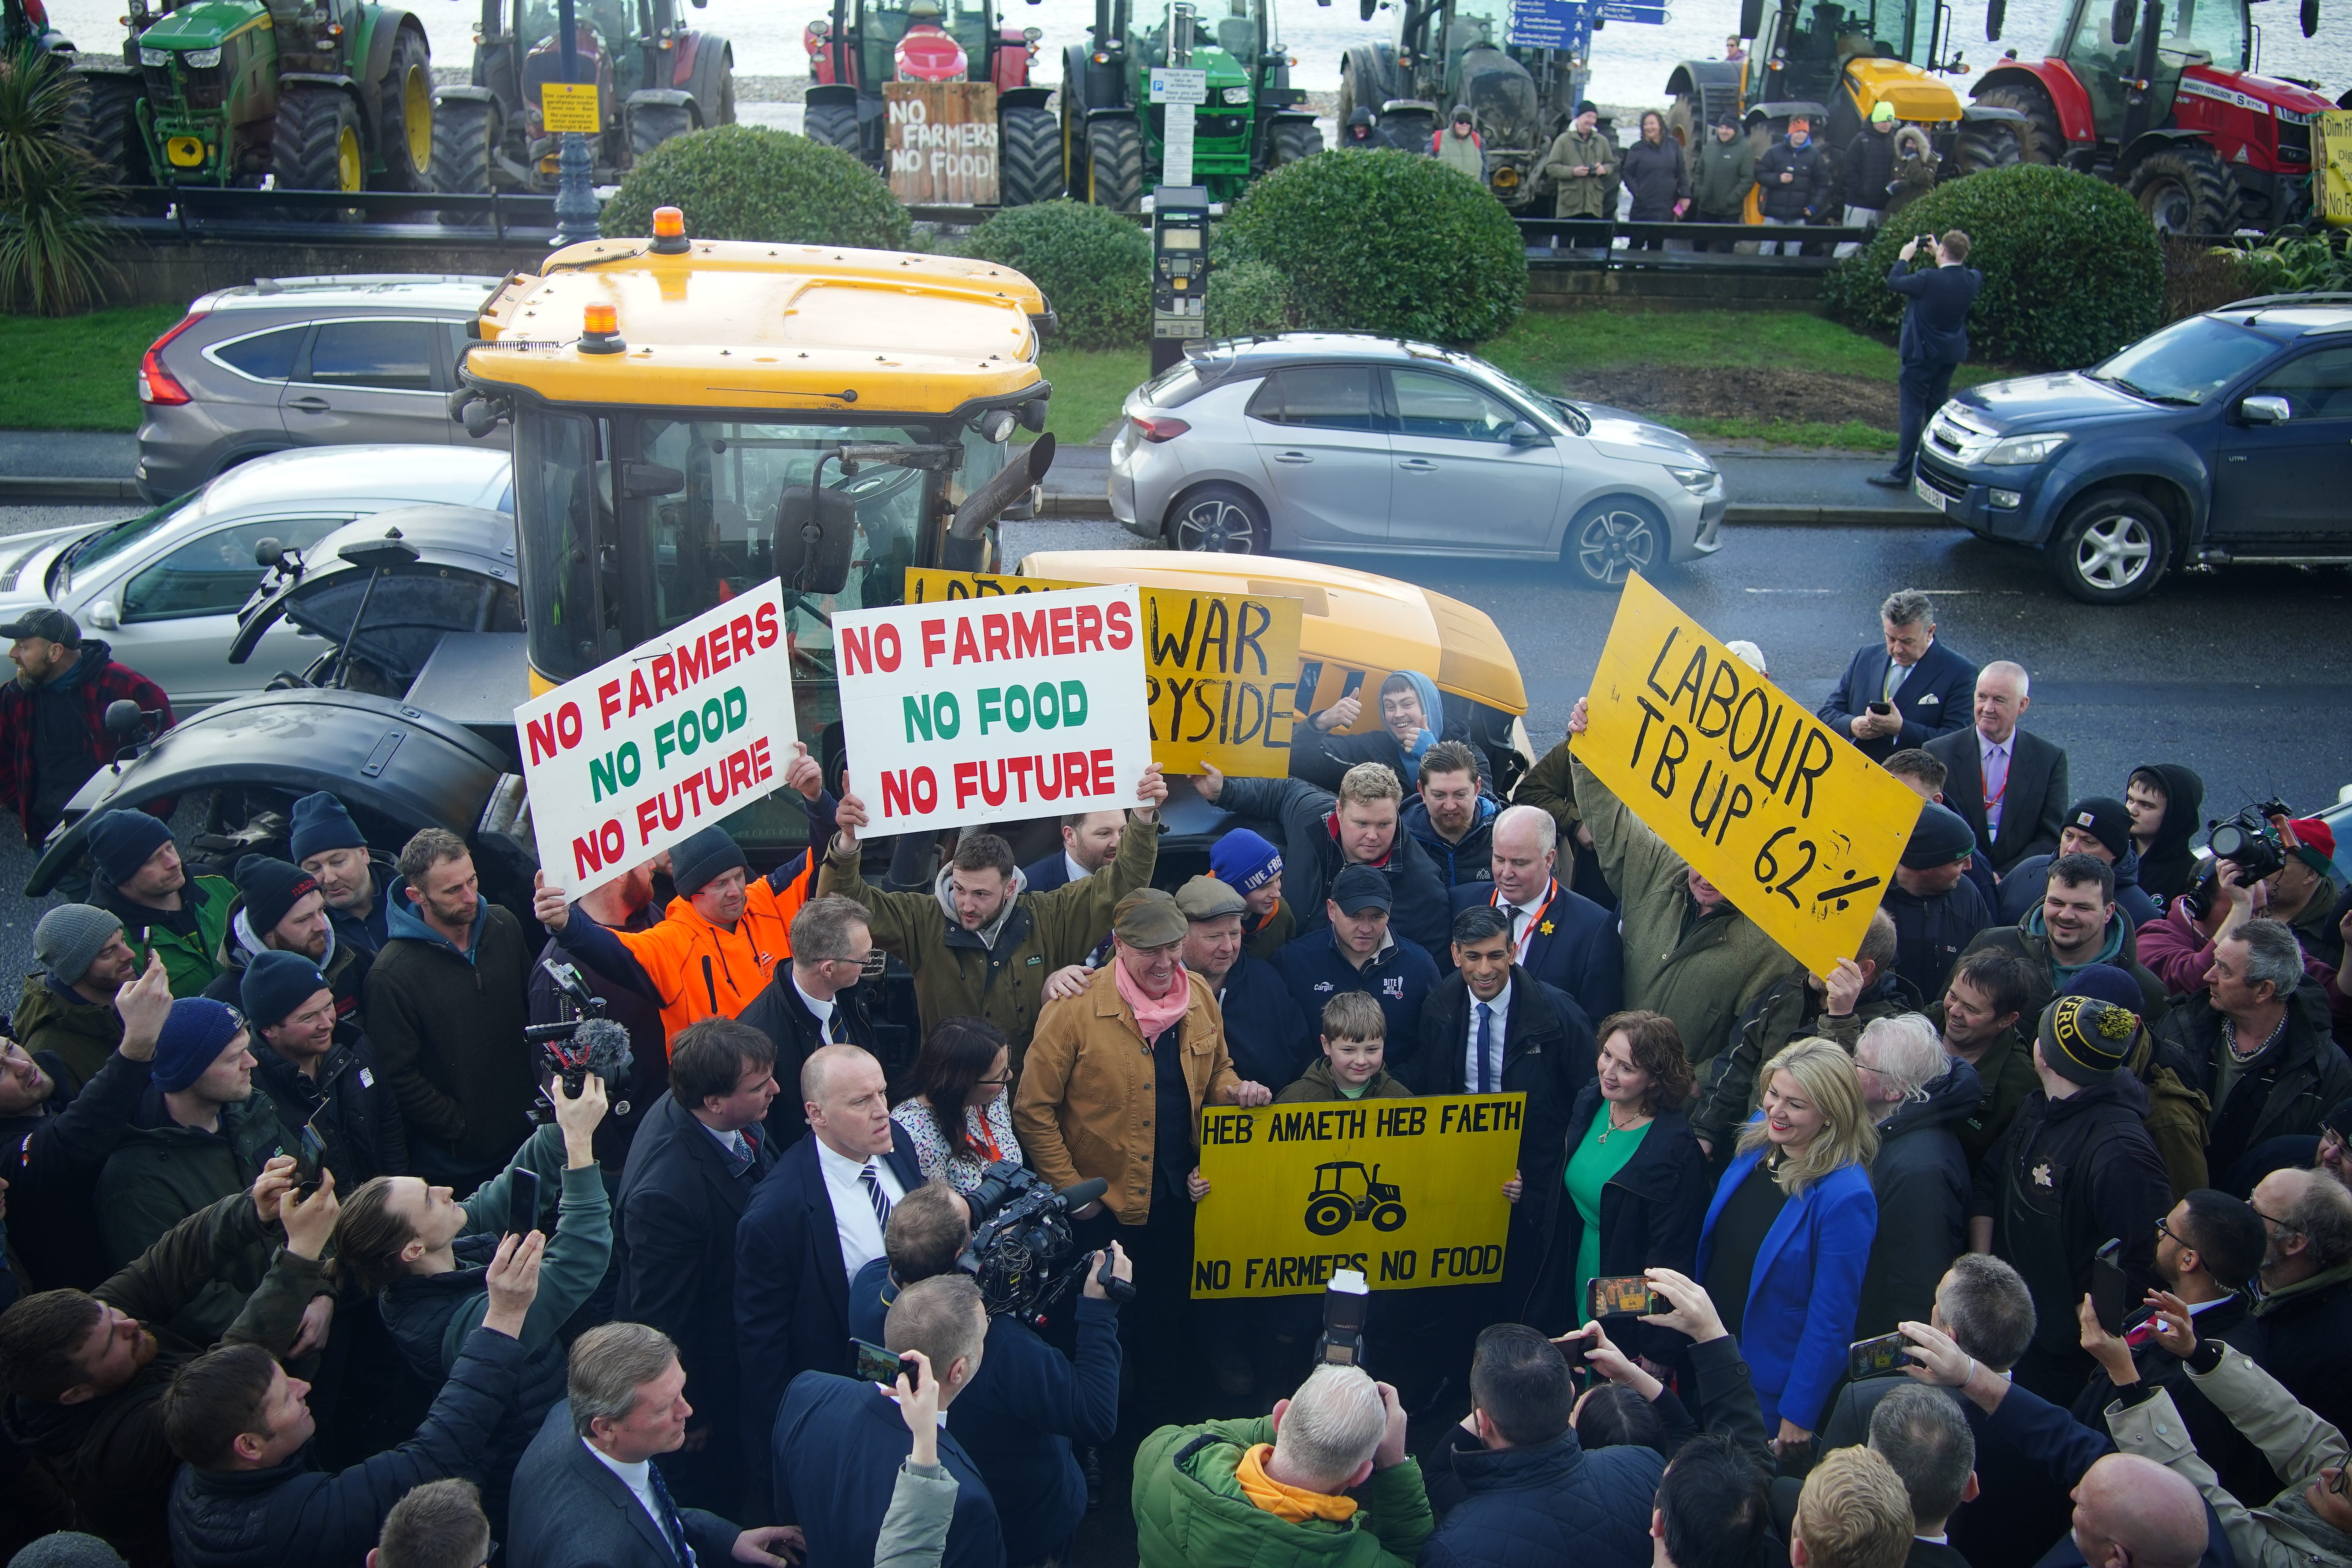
(1882, 709)
(1620, 1296)
(522, 1202)
(309, 1159)
(1876, 1357)
(2110, 1291)
(876, 1365)
(1302, 696)
(1352, 684)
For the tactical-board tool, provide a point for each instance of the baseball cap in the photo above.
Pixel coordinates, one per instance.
(1360, 887)
(2314, 843)
(47, 624)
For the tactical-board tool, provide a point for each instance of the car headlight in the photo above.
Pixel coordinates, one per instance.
(1236, 95)
(1698, 481)
(201, 59)
(154, 56)
(2019, 450)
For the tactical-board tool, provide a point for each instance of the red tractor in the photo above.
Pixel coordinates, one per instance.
(2157, 96)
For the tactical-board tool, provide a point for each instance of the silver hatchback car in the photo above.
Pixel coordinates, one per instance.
(1316, 443)
(304, 362)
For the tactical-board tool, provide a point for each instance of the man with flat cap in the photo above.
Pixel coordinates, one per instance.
(53, 715)
(1356, 950)
(1937, 908)
(1265, 1033)
(280, 907)
(326, 842)
(137, 874)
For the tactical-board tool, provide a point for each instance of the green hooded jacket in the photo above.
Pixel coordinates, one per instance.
(162, 1173)
(80, 1035)
(1189, 1512)
(192, 960)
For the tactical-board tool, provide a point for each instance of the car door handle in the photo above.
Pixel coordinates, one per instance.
(309, 405)
(1292, 458)
(1417, 466)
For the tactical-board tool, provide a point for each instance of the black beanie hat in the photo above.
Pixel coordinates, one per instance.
(701, 860)
(271, 887)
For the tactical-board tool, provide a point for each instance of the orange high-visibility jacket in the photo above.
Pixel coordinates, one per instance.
(701, 970)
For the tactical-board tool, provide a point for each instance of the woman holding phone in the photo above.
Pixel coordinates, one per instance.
(1787, 1235)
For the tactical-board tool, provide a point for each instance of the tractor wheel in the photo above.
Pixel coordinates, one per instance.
(2185, 189)
(1347, 109)
(1387, 1216)
(651, 124)
(1686, 121)
(726, 115)
(1293, 140)
(405, 96)
(2040, 139)
(315, 144)
(465, 135)
(1028, 157)
(1987, 147)
(1329, 1214)
(833, 125)
(1115, 164)
(102, 118)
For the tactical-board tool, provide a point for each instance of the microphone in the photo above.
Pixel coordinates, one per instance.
(1077, 1198)
(601, 1047)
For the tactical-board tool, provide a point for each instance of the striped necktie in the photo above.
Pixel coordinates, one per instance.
(874, 1194)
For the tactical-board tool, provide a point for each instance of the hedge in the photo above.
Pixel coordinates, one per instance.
(1094, 266)
(745, 182)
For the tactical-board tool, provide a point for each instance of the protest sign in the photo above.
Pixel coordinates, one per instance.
(640, 752)
(980, 710)
(1409, 1192)
(1798, 828)
(1220, 667)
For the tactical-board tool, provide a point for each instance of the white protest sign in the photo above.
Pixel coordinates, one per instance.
(643, 750)
(989, 709)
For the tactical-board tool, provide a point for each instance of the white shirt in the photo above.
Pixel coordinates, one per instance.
(1986, 751)
(1501, 1005)
(633, 1477)
(853, 1211)
(1077, 873)
(821, 1011)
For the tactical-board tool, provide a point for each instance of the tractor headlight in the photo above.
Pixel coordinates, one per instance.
(2019, 450)
(1507, 178)
(1236, 95)
(200, 59)
(154, 56)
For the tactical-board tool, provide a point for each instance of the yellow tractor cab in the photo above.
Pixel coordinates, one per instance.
(693, 417)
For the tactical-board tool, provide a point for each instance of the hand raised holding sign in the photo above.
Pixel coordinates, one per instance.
(803, 774)
(1151, 793)
(1207, 784)
(550, 907)
(848, 817)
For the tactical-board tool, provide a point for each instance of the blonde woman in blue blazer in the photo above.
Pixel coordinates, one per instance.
(1789, 1234)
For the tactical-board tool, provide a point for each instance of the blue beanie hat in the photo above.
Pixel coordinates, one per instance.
(275, 984)
(121, 841)
(195, 1032)
(699, 860)
(1244, 861)
(2105, 983)
(321, 823)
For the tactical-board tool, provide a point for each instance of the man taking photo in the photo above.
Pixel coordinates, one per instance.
(1935, 337)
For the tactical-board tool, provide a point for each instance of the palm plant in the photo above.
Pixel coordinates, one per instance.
(53, 249)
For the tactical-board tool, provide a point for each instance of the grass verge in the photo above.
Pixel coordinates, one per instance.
(1847, 435)
(1089, 386)
(77, 373)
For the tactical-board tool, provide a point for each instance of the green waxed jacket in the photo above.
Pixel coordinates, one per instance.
(78, 1035)
(190, 960)
(1190, 1510)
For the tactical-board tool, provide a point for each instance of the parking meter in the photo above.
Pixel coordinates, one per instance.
(1180, 271)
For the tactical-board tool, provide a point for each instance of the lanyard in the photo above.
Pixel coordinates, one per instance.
(1551, 891)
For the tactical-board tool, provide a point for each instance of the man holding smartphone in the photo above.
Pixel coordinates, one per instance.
(1935, 336)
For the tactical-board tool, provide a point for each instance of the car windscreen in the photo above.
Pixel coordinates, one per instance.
(111, 541)
(1549, 413)
(2188, 362)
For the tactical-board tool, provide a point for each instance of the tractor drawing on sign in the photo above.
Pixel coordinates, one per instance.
(1335, 1203)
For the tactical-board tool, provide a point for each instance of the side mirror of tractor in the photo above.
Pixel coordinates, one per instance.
(2121, 20)
(813, 539)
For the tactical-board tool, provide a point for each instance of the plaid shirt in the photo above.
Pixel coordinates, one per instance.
(106, 682)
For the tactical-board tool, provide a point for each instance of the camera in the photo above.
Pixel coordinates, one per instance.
(2247, 841)
(581, 1041)
(1023, 1254)
(1347, 1303)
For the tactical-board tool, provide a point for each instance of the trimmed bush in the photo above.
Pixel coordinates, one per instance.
(1385, 242)
(2072, 269)
(1094, 266)
(744, 182)
(1247, 295)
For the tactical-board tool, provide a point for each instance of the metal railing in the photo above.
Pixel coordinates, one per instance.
(1589, 241)
(189, 213)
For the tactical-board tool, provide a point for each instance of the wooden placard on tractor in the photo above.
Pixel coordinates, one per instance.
(941, 141)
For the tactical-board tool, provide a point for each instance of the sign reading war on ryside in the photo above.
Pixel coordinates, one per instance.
(1409, 1192)
(645, 749)
(985, 710)
(1800, 830)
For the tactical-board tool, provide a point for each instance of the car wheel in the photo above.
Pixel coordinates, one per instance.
(1220, 518)
(2112, 548)
(1611, 540)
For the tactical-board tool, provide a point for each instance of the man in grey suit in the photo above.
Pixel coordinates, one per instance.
(1904, 691)
(2008, 784)
(587, 1491)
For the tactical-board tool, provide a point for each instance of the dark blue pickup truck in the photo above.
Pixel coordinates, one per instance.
(2224, 438)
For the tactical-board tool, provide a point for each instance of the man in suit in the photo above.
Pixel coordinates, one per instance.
(1935, 339)
(697, 1157)
(2008, 784)
(812, 1225)
(1560, 937)
(587, 1491)
(814, 1001)
(1922, 1434)
(1089, 843)
(1920, 684)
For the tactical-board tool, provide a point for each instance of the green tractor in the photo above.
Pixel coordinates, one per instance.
(331, 96)
(1114, 139)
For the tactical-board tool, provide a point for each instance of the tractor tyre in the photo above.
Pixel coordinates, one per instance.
(726, 114)
(1387, 1216)
(1115, 164)
(651, 124)
(1329, 1215)
(102, 118)
(465, 135)
(405, 97)
(1986, 147)
(1686, 122)
(833, 125)
(2185, 189)
(2040, 139)
(315, 144)
(1292, 140)
(1349, 98)
(1028, 157)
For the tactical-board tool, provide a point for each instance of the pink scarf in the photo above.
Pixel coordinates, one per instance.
(1152, 1016)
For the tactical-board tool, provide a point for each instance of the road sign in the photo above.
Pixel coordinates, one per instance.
(1648, 15)
(1176, 157)
(1547, 23)
(1175, 84)
(569, 105)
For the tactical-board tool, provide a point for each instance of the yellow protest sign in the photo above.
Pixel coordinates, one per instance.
(569, 105)
(1218, 667)
(2331, 191)
(1409, 1192)
(1800, 830)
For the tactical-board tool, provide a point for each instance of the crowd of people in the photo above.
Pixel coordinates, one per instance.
(2023, 1235)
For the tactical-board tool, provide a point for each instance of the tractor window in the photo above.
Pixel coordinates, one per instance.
(2317, 386)
(388, 356)
(555, 517)
(2212, 30)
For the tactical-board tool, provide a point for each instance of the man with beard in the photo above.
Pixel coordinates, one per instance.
(53, 715)
(136, 875)
(325, 842)
(280, 907)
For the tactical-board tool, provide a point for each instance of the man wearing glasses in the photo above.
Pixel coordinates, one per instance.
(2302, 1327)
(812, 1002)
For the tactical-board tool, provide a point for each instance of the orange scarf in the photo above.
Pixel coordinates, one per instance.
(1286, 1503)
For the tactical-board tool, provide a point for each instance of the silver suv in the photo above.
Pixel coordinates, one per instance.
(304, 362)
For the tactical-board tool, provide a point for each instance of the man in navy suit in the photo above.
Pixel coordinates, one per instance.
(697, 1158)
(2008, 784)
(1090, 841)
(1935, 339)
(587, 1491)
(1560, 937)
(1924, 687)
(815, 1222)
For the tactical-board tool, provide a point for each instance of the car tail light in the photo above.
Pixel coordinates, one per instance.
(156, 385)
(1162, 427)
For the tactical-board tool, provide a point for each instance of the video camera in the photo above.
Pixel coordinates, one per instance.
(2247, 841)
(1022, 1252)
(580, 1042)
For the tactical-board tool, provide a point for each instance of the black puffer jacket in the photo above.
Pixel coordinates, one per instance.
(1658, 176)
(1524, 1504)
(2285, 1091)
(354, 1108)
(1921, 1181)
(1303, 816)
